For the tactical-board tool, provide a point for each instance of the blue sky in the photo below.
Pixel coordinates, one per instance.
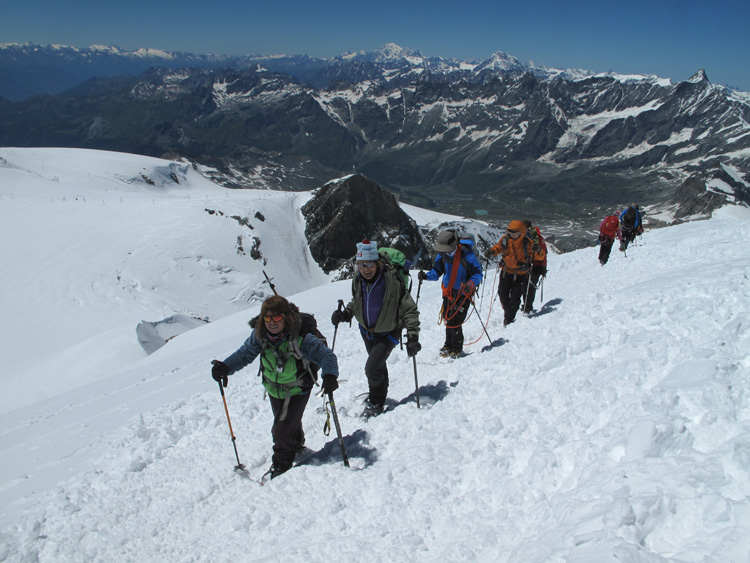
(669, 38)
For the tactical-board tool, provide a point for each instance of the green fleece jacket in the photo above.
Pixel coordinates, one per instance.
(399, 310)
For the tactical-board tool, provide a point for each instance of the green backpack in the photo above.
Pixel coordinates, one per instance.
(398, 260)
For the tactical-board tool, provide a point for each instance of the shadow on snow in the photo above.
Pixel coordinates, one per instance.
(495, 344)
(357, 446)
(548, 307)
(428, 395)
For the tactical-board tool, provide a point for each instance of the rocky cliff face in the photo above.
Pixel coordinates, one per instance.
(346, 211)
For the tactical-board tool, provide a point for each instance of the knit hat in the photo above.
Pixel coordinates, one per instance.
(446, 242)
(367, 251)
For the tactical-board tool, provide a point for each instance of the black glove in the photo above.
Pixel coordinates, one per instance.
(220, 372)
(488, 253)
(329, 383)
(468, 288)
(340, 317)
(412, 345)
(422, 275)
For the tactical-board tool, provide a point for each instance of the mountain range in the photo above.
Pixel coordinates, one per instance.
(498, 138)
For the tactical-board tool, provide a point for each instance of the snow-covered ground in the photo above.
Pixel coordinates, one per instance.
(95, 242)
(612, 425)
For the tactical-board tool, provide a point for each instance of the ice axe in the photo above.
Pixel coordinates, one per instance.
(327, 427)
(270, 283)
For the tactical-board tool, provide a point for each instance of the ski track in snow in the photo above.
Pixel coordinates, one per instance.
(612, 425)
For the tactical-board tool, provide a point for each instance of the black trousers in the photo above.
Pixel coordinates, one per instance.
(537, 271)
(454, 317)
(628, 236)
(605, 248)
(287, 433)
(512, 288)
(378, 348)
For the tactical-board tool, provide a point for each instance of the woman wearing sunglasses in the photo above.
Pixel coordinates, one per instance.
(383, 307)
(285, 365)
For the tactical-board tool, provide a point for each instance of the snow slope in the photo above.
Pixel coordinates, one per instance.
(96, 242)
(612, 425)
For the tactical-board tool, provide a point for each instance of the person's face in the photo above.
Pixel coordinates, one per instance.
(274, 322)
(514, 234)
(368, 269)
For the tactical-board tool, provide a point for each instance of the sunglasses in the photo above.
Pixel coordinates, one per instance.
(365, 265)
(512, 232)
(274, 318)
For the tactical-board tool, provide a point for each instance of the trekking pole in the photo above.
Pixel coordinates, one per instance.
(480, 320)
(541, 289)
(419, 288)
(239, 466)
(528, 285)
(338, 428)
(486, 265)
(416, 382)
(336, 328)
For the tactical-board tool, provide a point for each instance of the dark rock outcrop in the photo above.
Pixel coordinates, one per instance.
(346, 211)
(704, 192)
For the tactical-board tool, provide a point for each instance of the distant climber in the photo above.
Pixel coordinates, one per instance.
(609, 230)
(630, 225)
(538, 266)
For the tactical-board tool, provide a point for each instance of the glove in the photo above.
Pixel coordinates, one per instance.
(412, 345)
(340, 317)
(220, 372)
(468, 288)
(422, 275)
(329, 383)
(488, 253)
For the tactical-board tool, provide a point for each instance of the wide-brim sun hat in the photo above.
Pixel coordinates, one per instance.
(446, 242)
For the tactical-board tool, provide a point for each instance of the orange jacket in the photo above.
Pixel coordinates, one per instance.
(515, 255)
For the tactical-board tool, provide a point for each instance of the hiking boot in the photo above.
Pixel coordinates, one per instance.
(456, 355)
(445, 352)
(506, 322)
(300, 445)
(372, 409)
(277, 468)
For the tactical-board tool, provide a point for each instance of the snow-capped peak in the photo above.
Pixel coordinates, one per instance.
(502, 61)
(699, 76)
(393, 51)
